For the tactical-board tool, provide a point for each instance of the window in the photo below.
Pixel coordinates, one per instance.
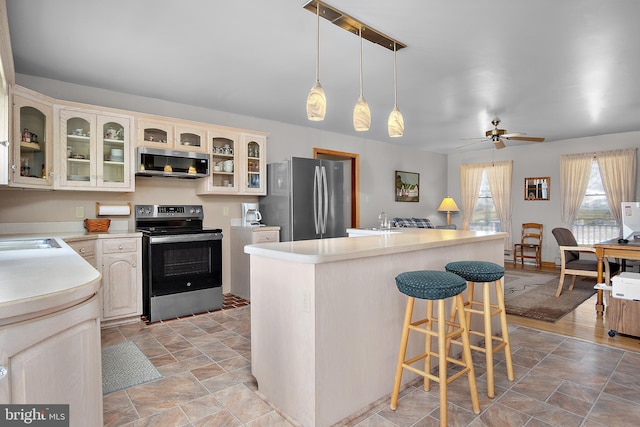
(595, 221)
(485, 217)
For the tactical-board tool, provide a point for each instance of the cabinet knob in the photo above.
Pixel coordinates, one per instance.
(120, 247)
(82, 250)
(3, 372)
(134, 265)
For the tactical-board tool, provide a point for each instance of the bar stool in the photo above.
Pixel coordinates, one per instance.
(435, 286)
(485, 273)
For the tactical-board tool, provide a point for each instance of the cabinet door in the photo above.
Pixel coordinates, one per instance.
(190, 138)
(32, 142)
(224, 170)
(77, 149)
(155, 134)
(254, 151)
(55, 359)
(114, 153)
(122, 295)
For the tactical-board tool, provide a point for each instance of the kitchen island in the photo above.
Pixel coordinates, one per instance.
(326, 316)
(50, 328)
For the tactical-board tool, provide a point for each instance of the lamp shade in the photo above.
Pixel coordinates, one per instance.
(316, 103)
(361, 115)
(395, 123)
(448, 205)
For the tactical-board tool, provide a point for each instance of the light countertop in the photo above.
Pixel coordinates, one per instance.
(343, 248)
(39, 280)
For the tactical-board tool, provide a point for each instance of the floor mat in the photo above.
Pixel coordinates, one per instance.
(124, 365)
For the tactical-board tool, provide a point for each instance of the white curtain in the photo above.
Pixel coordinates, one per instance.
(499, 177)
(470, 180)
(574, 179)
(618, 174)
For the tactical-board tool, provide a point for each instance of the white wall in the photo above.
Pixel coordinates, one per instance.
(378, 160)
(538, 160)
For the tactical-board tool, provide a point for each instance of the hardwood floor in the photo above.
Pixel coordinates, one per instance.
(581, 323)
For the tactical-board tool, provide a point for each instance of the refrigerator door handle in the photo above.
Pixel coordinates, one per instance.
(325, 201)
(316, 199)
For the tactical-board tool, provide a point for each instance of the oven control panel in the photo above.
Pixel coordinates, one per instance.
(169, 211)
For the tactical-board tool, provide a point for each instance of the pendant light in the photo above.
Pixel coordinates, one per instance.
(316, 101)
(396, 122)
(361, 112)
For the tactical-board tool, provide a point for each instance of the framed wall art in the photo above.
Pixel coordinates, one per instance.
(407, 186)
(537, 188)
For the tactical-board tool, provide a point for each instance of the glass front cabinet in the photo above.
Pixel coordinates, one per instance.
(31, 143)
(254, 167)
(237, 164)
(95, 151)
(169, 136)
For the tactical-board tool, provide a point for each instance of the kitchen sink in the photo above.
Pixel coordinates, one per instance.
(20, 244)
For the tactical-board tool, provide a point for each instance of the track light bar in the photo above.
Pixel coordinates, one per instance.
(352, 25)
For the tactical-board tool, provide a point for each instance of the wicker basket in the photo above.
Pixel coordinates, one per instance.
(97, 225)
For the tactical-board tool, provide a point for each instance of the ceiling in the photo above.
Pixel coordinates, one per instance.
(556, 69)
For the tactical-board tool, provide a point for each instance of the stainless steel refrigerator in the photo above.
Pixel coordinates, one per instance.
(305, 198)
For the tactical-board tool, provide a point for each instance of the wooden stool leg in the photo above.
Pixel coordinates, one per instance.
(402, 353)
(466, 354)
(426, 385)
(505, 330)
(442, 362)
(488, 340)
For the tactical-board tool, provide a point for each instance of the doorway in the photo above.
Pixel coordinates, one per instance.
(351, 163)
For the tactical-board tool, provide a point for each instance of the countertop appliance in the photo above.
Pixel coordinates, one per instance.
(305, 199)
(181, 260)
(251, 215)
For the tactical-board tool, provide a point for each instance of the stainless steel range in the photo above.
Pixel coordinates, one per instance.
(182, 261)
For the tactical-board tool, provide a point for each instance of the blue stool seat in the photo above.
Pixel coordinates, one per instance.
(476, 271)
(430, 284)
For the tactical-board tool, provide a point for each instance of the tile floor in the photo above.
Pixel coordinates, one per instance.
(205, 363)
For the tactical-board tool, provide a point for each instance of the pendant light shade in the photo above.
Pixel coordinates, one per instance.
(316, 100)
(396, 122)
(361, 112)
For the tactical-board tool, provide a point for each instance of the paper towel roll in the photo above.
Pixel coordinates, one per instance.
(114, 210)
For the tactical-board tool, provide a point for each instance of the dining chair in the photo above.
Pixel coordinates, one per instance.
(572, 264)
(530, 245)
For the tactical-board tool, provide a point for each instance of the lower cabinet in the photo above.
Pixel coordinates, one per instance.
(240, 268)
(121, 268)
(86, 248)
(55, 359)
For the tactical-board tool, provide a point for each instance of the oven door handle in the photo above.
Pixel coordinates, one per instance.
(185, 238)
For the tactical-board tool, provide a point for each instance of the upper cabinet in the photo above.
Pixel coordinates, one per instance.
(254, 149)
(237, 163)
(170, 135)
(31, 141)
(95, 150)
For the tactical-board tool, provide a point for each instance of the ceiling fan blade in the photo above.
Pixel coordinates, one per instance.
(471, 143)
(499, 143)
(512, 134)
(526, 138)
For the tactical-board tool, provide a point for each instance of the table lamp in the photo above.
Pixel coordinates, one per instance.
(448, 205)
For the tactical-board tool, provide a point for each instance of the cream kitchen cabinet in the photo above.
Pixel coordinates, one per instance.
(240, 269)
(85, 247)
(168, 134)
(55, 359)
(121, 268)
(31, 140)
(247, 155)
(95, 150)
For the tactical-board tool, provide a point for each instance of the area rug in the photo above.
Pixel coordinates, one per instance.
(124, 365)
(531, 294)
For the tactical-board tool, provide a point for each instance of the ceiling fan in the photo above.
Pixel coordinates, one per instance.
(498, 136)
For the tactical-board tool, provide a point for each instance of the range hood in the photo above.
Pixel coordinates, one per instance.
(169, 163)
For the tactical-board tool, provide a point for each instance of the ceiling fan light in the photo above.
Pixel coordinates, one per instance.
(316, 103)
(396, 123)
